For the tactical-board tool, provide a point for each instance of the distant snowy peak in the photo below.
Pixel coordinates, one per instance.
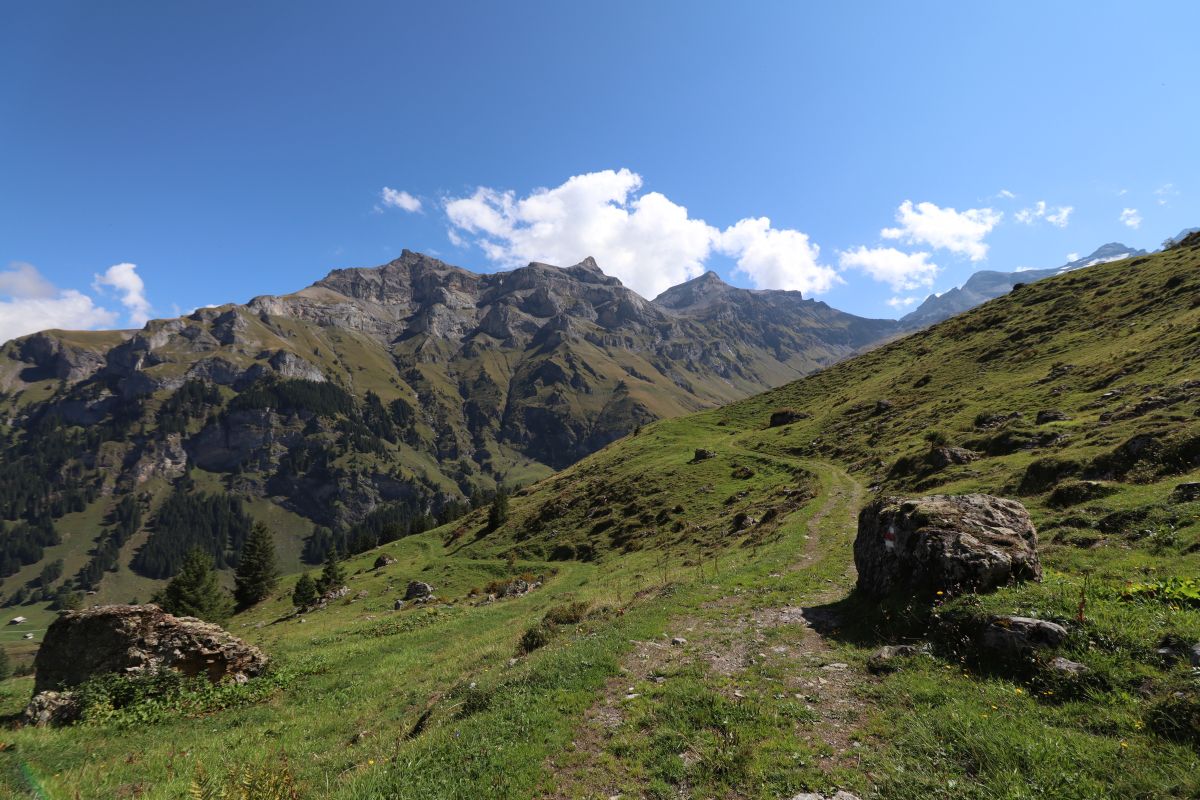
(1113, 251)
(990, 284)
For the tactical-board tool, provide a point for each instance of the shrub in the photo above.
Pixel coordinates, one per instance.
(1177, 716)
(1044, 473)
(1072, 493)
(567, 614)
(305, 593)
(937, 438)
(247, 782)
(537, 636)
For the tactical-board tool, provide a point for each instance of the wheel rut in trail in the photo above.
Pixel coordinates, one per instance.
(731, 642)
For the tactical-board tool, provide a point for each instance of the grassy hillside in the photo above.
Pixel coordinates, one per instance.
(703, 637)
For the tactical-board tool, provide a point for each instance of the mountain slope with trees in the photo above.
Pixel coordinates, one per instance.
(371, 405)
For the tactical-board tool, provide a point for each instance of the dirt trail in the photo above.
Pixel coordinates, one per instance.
(738, 637)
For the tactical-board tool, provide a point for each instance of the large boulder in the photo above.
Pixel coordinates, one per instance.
(418, 590)
(137, 639)
(948, 543)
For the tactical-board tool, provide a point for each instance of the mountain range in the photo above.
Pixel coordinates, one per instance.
(388, 396)
(375, 401)
(989, 284)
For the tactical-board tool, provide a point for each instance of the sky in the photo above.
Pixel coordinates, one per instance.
(156, 157)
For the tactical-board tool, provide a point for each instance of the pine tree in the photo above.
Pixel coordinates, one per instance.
(195, 591)
(498, 513)
(333, 575)
(5, 664)
(305, 593)
(256, 573)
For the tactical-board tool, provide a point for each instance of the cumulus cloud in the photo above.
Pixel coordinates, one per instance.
(394, 198)
(901, 302)
(1130, 218)
(23, 280)
(902, 271)
(647, 240)
(30, 303)
(776, 259)
(130, 289)
(1059, 217)
(945, 228)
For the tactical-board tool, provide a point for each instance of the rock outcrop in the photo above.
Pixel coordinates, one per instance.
(1016, 638)
(418, 590)
(129, 640)
(51, 708)
(947, 543)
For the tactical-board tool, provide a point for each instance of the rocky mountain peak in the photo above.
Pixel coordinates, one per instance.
(1113, 251)
(698, 293)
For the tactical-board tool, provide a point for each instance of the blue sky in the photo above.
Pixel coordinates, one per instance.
(861, 152)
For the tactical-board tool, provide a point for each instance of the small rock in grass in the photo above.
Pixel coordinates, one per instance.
(886, 659)
(1016, 637)
(1186, 492)
(1067, 667)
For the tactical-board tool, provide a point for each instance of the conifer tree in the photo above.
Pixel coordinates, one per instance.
(5, 664)
(256, 572)
(498, 513)
(333, 575)
(305, 593)
(195, 591)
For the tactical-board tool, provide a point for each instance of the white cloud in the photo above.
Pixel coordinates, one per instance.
(1006, 194)
(776, 259)
(1165, 192)
(902, 271)
(1060, 217)
(901, 302)
(1072, 257)
(24, 281)
(1057, 217)
(30, 303)
(648, 241)
(1130, 218)
(130, 288)
(393, 198)
(945, 228)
